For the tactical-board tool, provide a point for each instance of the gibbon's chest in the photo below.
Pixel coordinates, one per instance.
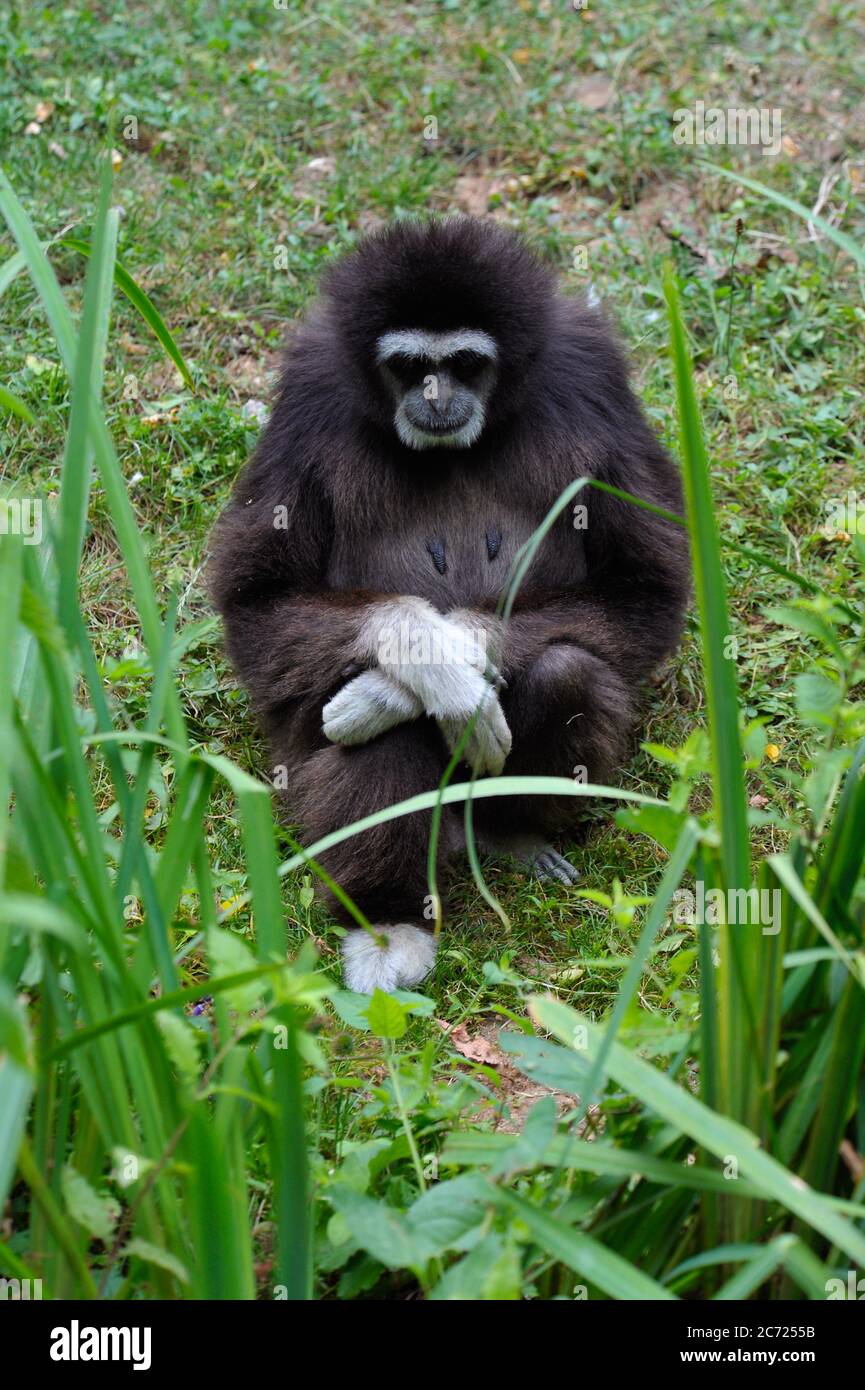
(453, 550)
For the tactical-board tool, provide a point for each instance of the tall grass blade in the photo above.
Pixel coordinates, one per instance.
(841, 239)
(145, 306)
(720, 1135)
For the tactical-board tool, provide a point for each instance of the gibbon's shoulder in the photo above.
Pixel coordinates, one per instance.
(314, 400)
(583, 370)
(584, 333)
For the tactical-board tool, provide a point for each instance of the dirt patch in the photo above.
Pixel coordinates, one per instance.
(481, 192)
(517, 1093)
(593, 92)
(253, 374)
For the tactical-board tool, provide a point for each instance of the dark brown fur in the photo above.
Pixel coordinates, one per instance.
(600, 608)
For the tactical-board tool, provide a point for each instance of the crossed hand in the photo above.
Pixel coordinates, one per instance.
(427, 663)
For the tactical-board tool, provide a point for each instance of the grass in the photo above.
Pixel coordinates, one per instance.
(142, 1118)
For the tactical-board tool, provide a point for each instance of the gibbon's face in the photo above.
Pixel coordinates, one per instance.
(439, 384)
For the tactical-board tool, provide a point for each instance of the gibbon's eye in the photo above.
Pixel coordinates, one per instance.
(466, 364)
(406, 369)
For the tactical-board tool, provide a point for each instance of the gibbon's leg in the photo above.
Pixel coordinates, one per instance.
(569, 714)
(384, 870)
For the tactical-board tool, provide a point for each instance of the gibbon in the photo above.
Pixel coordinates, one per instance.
(433, 406)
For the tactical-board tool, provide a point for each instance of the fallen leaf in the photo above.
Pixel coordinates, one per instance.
(476, 1049)
(593, 92)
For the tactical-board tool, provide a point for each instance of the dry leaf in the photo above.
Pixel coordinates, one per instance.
(593, 92)
(476, 1049)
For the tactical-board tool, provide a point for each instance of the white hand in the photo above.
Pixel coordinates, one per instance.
(367, 706)
(489, 741)
(426, 652)
(441, 662)
(483, 633)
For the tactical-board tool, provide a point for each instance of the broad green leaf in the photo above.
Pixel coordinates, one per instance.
(98, 1215)
(490, 1273)
(528, 1147)
(387, 1017)
(379, 1229)
(181, 1044)
(152, 1254)
(352, 1008)
(817, 698)
(443, 1215)
(229, 955)
(807, 618)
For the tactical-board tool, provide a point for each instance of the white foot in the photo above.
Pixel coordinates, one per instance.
(407, 958)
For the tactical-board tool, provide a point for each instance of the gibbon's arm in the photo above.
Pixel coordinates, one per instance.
(288, 637)
(294, 641)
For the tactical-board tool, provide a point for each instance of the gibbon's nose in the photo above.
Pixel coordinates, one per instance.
(447, 409)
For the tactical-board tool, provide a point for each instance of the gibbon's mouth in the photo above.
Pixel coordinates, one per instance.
(441, 426)
(444, 434)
